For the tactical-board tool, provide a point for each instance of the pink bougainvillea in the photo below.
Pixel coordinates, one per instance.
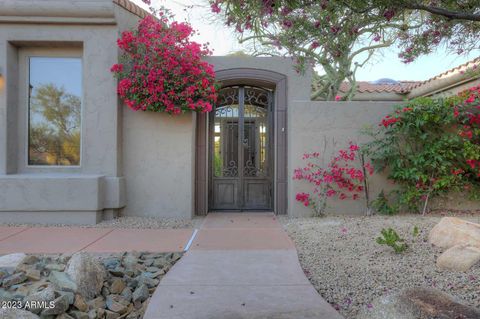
(343, 178)
(467, 114)
(162, 70)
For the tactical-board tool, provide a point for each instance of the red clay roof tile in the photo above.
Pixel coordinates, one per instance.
(131, 7)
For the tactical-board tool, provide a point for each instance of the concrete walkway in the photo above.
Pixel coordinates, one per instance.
(51, 240)
(239, 266)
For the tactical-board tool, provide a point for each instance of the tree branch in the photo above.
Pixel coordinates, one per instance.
(455, 15)
(372, 47)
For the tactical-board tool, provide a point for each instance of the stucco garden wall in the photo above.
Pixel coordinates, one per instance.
(325, 127)
(158, 162)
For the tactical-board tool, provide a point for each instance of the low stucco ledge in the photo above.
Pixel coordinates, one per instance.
(57, 12)
(59, 196)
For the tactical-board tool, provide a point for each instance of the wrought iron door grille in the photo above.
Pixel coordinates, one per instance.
(241, 135)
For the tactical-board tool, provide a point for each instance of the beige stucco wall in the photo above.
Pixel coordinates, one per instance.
(45, 194)
(326, 127)
(158, 163)
(298, 85)
(457, 89)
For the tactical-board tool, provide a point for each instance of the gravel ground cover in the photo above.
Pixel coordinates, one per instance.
(349, 269)
(82, 286)
(130, 222)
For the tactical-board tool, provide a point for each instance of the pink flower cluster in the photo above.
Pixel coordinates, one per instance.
(303, 198)
(390, 120)
(467, 114)
(161, 70)
(342, 178)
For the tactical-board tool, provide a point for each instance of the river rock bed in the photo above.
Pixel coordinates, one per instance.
(350, 270)
(82, 286)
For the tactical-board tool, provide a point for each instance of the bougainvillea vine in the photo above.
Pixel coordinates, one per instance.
(343, 178)
(162, 70)
(430, 147)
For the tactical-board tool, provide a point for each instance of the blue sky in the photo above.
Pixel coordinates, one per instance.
(385, 65)
(62, 72)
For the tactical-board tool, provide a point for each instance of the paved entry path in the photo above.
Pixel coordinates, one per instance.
(239, 266)
(51, 240)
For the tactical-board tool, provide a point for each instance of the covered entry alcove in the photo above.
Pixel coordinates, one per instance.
(241, 149)
(241, 145)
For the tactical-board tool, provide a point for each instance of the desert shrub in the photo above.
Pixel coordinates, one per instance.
(429, 147)
(344, 177)
(390, 238)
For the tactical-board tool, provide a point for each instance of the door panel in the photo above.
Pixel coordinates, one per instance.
(240, 143)
(256, 194)
(226, 194)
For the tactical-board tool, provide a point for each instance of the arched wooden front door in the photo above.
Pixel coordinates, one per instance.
(241, 150)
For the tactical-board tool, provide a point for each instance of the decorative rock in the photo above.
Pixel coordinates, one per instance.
(80, 303)
(39, 300)
(130, 261)
(3, 273)
(98, 302)
(12, 261)
(87, 273)
(111, 315)
(459, 258)
(175, 256)
(61, 306)
(7, 296)
(92, 314)
(49, 286)
(100, 313)
(105, 291)
(117, 303)
(22, 289)
(64, 258)
(33, 274)
(160, 262)
(70, 296)
(14, 313)
(56, 267)
(127, 294)
(111, 263)
(14, 279)
(140, 294)
(118, 271)
(79, 315)
(152, 269)
(30, 260)
(117, 286)
(148, 262)
(150, 282)
(155, 274)
(62, 281)
(419, 303)
(452, 231)
(38, 285)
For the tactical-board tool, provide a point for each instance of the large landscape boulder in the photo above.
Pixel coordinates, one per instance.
(10, 262)
(459, 258)
(419, 303)
(87, 273)
(452, 231)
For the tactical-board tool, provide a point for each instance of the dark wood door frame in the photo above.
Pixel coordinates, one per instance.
(253, 77)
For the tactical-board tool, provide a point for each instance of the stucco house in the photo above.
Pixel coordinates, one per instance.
(449, 82)
(95, 159)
